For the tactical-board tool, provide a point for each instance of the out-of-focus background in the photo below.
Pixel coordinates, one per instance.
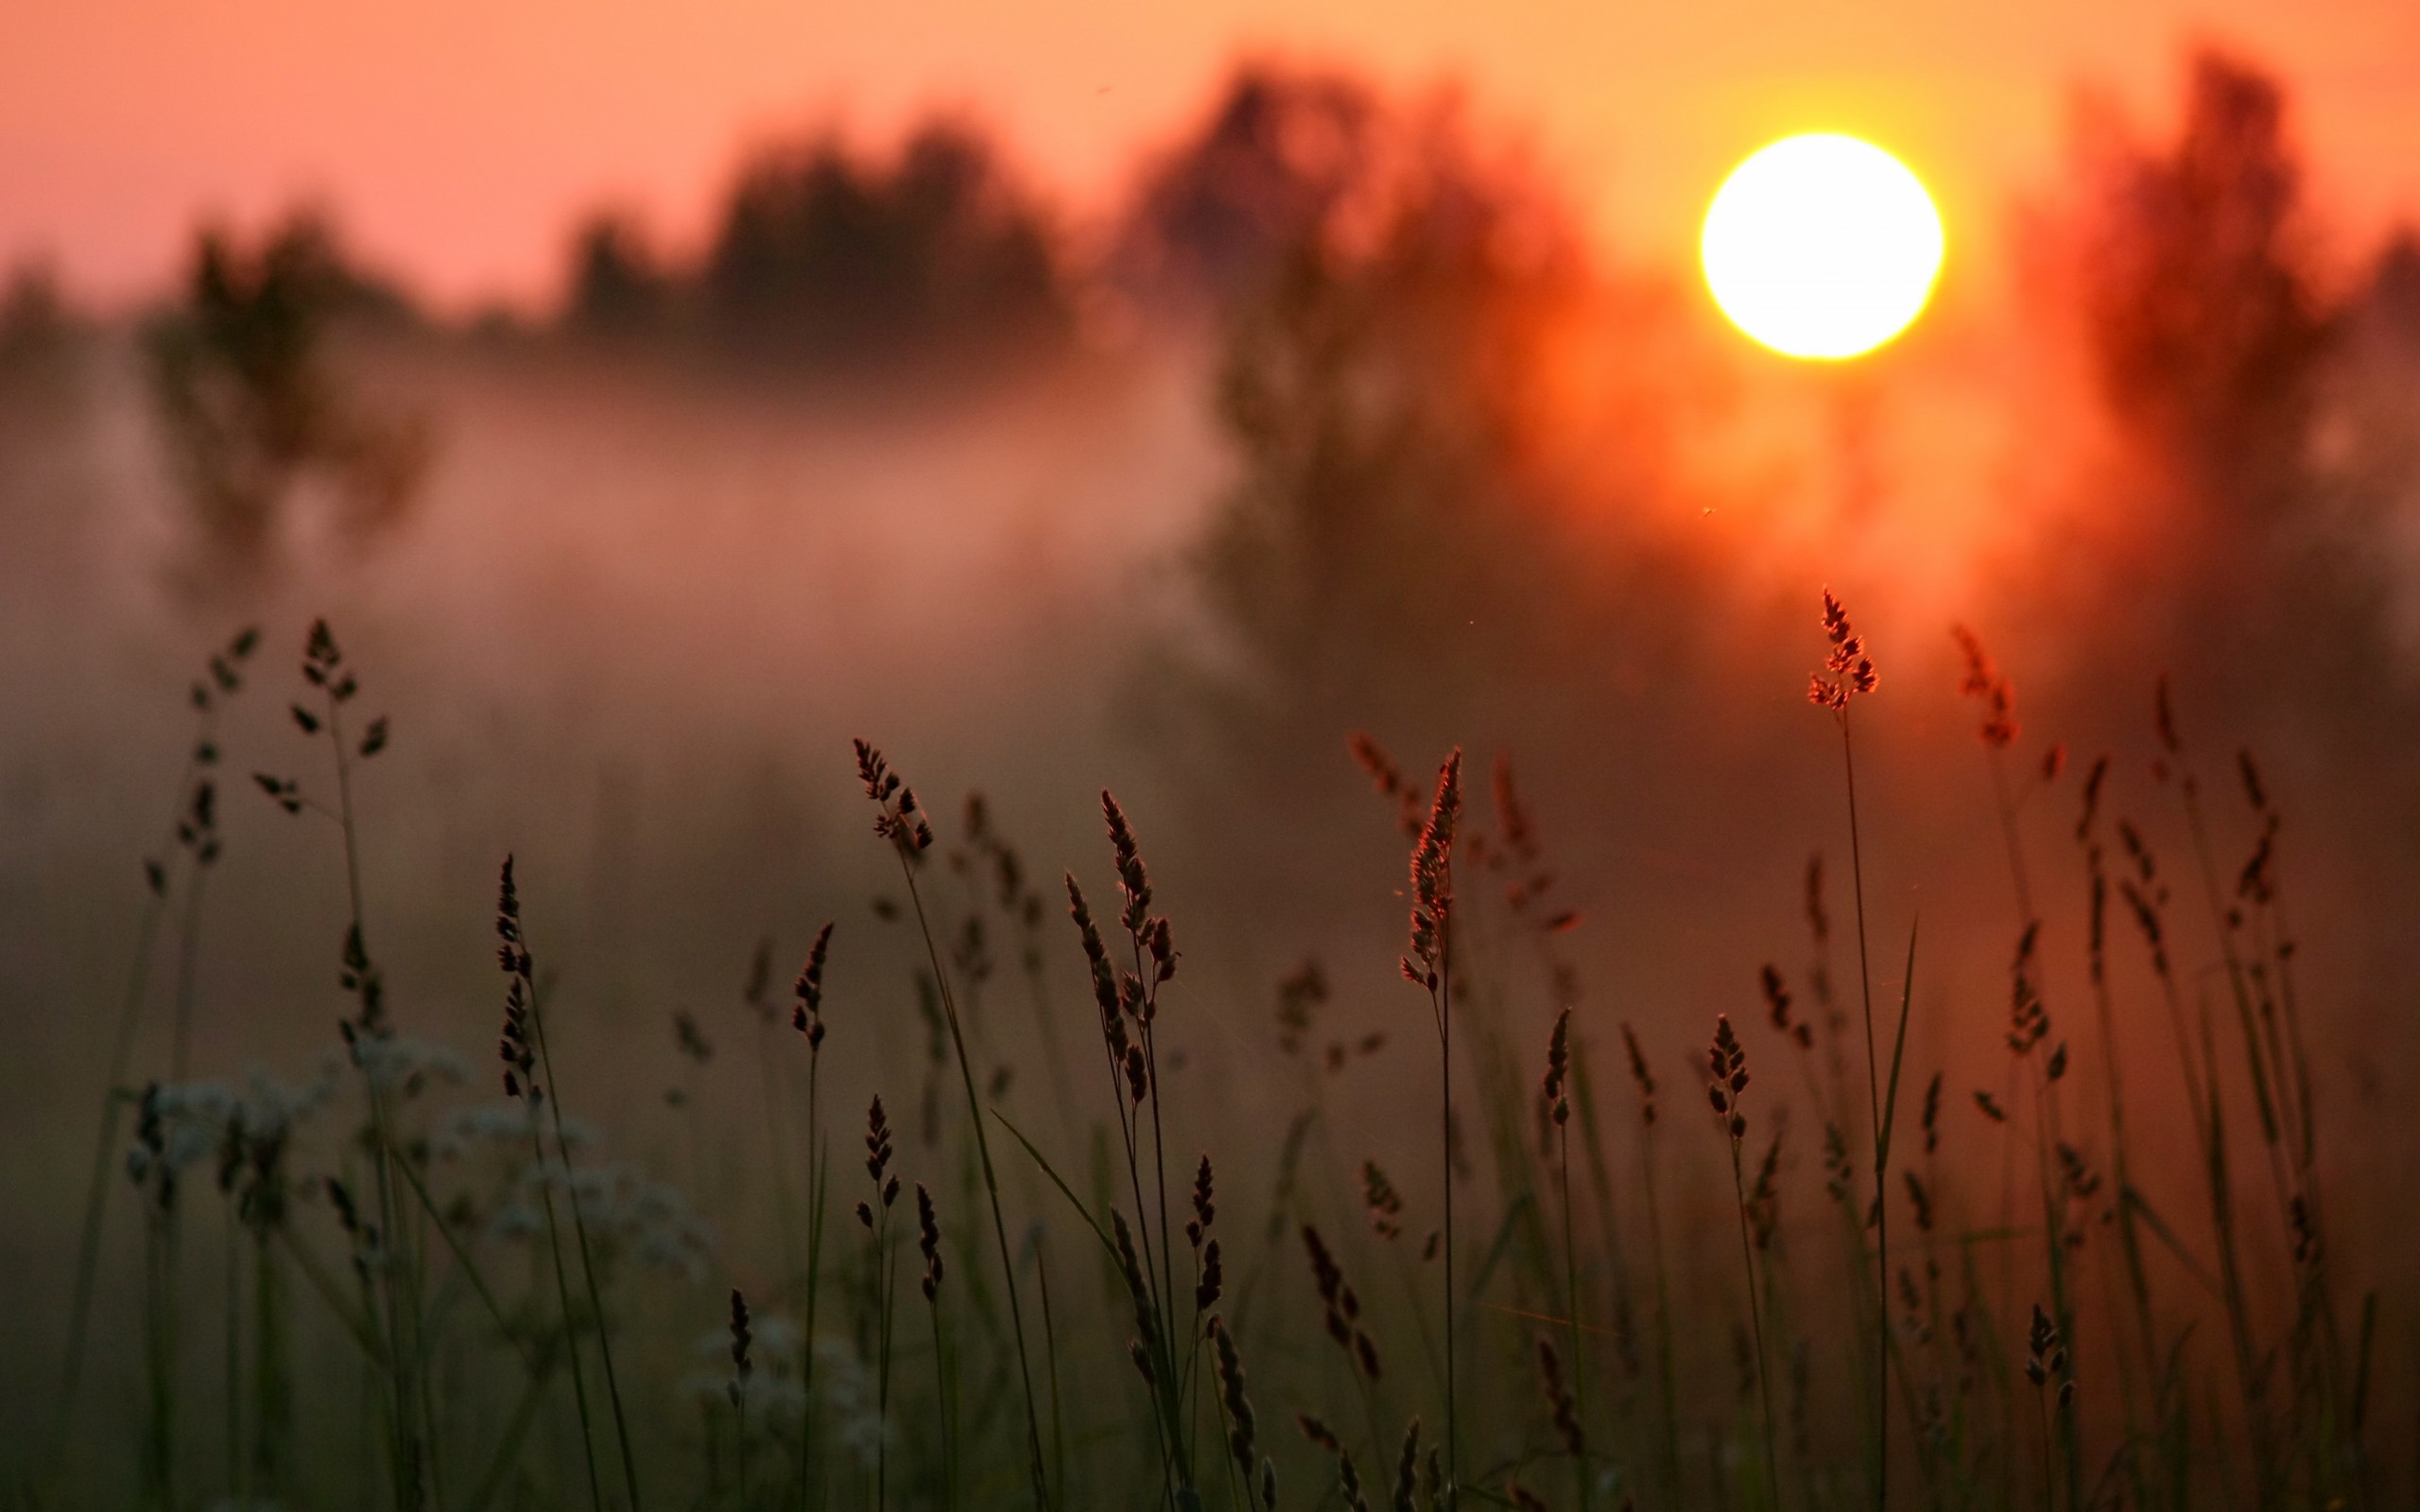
(1069, 395)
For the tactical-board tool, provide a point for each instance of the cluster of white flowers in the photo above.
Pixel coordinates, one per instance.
(773, 1392)
(397, 1063)
(773, 1342)
(508, 1125)
(848, 1391)
(195, 1120)
(624, 1212)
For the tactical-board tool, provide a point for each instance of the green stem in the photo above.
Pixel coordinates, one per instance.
(1881, 1174)
(587, 1260)
(992, 1188)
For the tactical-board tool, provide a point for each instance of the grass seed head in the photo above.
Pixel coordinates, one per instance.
(1382, 1201)
(1559, 1403)
(1205, 1209)
(928, 1242)
(1728, 1062)
(878, 1151)
(1847, 669)
(1557, 1085)
(741, 1338)
(1134, 881)
(1984, 681)
(1432, 878)
(1639, 1073)
(1408, 1470)
(1390, 780)
(807, 1015)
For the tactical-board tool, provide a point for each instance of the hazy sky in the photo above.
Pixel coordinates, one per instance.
(456, 138)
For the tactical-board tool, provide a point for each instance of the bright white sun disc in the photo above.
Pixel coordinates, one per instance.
(1822, 246)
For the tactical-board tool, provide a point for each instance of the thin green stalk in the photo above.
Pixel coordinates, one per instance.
(777, 1146)
(1445, 998)
(1667, 1375)
(470, 1269)
(991, 1186)
(273, 1404)
(396, 1271)
(884, 1274)
(231, 1300)
(818, 1170)
(587, 1261)
(945, 1384)
(188, 956)
(104, 1147)
(1881, 1171)
(507, 1448)
(1756, 1321)
(563, 1295)
(160, 1357)
(1571, 1306)
(1051, 1352)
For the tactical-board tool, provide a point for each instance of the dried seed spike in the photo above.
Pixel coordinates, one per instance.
(1204, 1208)
(1096, 958)
(928, 1241)
(2092, 782)
(2041, 1341)
(1919, 1198)
(807, 1016)
(1133, 880)
(1557, 1083)
(1129, 1267)
(1325, 1272)
(1390, 780)
(1408, 1470)
(1984, 681)
(1384, 1204)
(1348, 1484)
(1559, 1400)
(1640, 1075)
(740, 1336)
(1728, 1064)
(877, 1141)
(1847, 669)
(1242, 1428)
(2254, 791)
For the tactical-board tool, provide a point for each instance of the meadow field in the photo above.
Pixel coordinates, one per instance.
(1334, 862)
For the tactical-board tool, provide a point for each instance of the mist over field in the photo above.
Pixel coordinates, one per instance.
(1341, 429)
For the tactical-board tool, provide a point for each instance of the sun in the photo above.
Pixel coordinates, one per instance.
(1822, 246)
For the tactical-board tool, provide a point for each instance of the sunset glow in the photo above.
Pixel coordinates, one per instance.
(1822, 246)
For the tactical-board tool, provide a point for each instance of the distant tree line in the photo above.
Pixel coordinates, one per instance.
(827, 254)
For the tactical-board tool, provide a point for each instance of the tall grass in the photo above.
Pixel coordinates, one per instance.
(2173, 1340)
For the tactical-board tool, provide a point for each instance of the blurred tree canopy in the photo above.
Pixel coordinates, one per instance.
(2245, 540)
(616, 287)
(253, 415)
(1217, 219)
(1405, 545)
(825, 257)
(2206, 326)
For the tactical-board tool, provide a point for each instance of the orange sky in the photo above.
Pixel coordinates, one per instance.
(456, 138)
